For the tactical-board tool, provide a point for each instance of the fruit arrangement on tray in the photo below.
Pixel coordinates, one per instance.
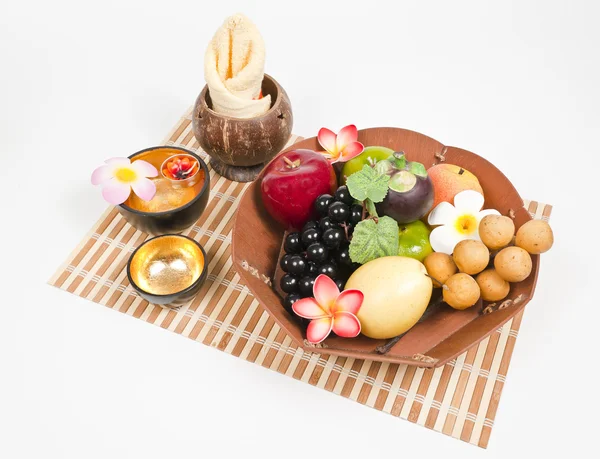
(381, 243)
(374, 245)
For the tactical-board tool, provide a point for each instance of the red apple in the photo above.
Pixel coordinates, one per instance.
(292, 182)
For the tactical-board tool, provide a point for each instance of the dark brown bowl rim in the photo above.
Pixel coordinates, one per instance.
(274, 104)
(177, 209)
(174, 294)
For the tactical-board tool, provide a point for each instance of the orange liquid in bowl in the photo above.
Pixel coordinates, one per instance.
(167, 196)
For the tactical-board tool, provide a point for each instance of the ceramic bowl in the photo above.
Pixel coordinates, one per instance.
(445, 333)
(168, 269)
(175, 220)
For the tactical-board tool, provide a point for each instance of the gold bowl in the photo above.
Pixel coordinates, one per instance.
(168, 269)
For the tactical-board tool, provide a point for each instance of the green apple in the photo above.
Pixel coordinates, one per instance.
(414, 240)
(370, 155)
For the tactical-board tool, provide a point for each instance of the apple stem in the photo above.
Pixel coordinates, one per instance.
(461, 171)
(291, 164)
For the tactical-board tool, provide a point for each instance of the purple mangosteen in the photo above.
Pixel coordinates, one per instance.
(410, 190)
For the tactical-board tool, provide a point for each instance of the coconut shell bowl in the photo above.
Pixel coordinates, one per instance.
(239, 148)
(443, 333)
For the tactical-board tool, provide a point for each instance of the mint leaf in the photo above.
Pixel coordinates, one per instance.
(372, 240)
(367, 183)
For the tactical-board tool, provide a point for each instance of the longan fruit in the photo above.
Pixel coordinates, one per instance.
(535, 236)
(439, 266)
(492, 286)
(461, 291)
(513, 264)
(496, 231)
(471, 256)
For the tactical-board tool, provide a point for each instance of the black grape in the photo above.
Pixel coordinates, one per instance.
(297, 264)
(289, 283)
(343, 195)
(292, 243)
(317, 252)
(338, 212)
(322, 203)
(333, 237)
(310, 236)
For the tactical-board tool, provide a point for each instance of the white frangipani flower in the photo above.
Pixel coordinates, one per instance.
(458, 222)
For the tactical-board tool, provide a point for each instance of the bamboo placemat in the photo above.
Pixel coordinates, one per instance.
(459, 399)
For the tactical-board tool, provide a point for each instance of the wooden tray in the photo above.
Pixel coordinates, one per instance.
(445, 333)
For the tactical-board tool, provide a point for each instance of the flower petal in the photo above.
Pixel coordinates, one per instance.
(346, 136)
(116, 192)
(351, 150)
(325, 292)
(444, 213)
(444, 238)
(144, 168)
(485, 212)
(346, 324)
(468, 201)
(309, 309)
(319, 329)
(326, 138)
(349, 301)
(144, 188)
(118, 161)
(102, 174)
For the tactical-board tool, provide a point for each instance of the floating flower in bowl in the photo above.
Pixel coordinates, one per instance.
(181, 170)
(118, 176)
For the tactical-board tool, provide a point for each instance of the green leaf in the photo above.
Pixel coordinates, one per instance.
(367, 183)
(418, 169)
(372, 240)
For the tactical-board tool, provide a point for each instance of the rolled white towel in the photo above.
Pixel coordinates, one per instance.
(234, 69)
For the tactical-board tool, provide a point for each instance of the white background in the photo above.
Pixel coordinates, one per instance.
(516, 82)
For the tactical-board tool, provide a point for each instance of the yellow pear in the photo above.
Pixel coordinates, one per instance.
(397, 292)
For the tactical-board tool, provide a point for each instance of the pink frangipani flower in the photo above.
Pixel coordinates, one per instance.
(118, 176)
(330, 310)
(341, 147)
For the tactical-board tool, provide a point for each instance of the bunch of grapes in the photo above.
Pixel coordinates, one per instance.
(321, 247)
